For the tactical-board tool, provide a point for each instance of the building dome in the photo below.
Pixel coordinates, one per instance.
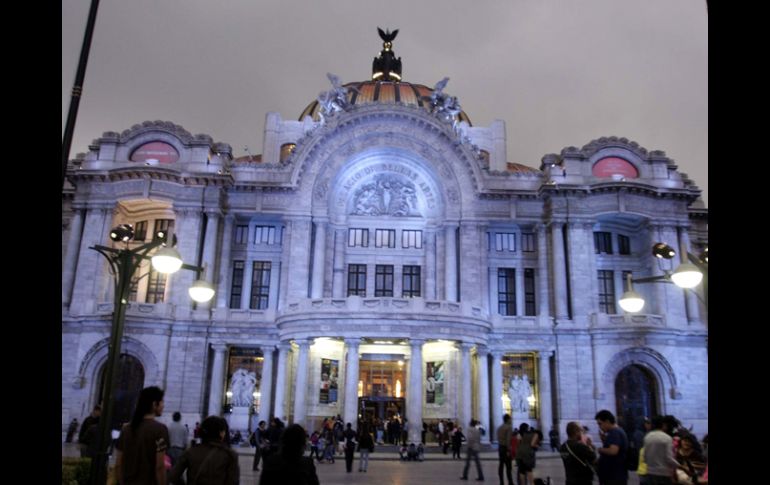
(385, 92)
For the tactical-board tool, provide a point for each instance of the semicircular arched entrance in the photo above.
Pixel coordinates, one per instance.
(636, 397)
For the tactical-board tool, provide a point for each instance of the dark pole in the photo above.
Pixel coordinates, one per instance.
(77, 89)
(124, 266)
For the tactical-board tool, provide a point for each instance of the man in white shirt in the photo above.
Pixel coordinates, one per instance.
(177, 435)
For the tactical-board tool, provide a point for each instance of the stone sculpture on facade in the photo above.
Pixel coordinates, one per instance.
(334, 100)
(242, 386)
(386, 195)
(445, 107)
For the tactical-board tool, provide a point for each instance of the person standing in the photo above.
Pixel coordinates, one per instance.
(258, 440)
(525, 453)
(457, 442)
(472, 451)
(90, 420)
(73, 427)
(553, 437)
(578, 457)
(289, 465)
(177, 435)
(365, 446)
(349, 435)
(504, 434)
(212, 463)
(143, 442)
(658, 449)
(612, 454)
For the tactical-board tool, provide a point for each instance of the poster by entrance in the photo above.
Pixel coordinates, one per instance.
(329, 374)
(434, 385)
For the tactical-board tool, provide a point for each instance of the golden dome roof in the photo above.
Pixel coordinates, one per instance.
(384, 92)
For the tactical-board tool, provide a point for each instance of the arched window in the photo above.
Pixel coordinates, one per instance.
(636, 392)
(130, 382)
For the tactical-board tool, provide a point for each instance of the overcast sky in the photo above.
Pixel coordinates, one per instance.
(558, 72)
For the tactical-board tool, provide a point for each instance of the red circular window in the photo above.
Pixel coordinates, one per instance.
(157, 152)
(615, 167)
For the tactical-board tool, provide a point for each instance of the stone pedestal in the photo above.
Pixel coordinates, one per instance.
(239, 420)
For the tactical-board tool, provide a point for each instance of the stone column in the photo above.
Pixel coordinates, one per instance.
(482, 413)
(188, 226)
(414, 398)
(543, 296)
(248, 274)
(350, 409)
(593, 297)
(450, 263)
(266, 385)
(210, 251)
(430, 265)
(559, 271)
(300, 392)
(470, 264)
(658, 304)
(580, 279)
(299, 259)
(319, 251)
(90, 264)
(71, 257)
(483, 271)
(275, 276)
(546, 414)
(465, 380)
(283, 288)
(279, 410)
(338, 277)
(493, 302)
(519, 281)
(691, 300)
(217, 380)
(225, 268)
(497, 393)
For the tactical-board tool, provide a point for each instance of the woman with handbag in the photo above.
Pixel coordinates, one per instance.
(578, 457)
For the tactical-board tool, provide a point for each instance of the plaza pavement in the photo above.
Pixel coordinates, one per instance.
(385, 468)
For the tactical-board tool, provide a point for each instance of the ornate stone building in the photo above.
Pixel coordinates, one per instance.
(380, 257)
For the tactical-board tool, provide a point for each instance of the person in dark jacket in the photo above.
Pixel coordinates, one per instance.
(350, 446)
(365, 446)
(212, 463)
(289, 465)
(578, 457)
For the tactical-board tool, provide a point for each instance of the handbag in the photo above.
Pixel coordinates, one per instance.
(578, 459)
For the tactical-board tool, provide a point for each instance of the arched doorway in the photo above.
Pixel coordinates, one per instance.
(636, 393)
(130, 383)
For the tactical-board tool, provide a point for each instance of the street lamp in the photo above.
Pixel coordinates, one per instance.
(686, 276)
(123, 263)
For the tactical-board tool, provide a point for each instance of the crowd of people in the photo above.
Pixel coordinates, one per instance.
(148, 451)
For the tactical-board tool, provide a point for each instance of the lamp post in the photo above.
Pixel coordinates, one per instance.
(686, 276)
(123, 263)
